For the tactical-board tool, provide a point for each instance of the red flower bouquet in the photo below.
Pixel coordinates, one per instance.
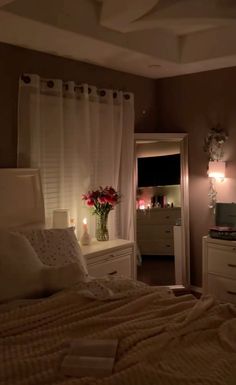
(102, 201)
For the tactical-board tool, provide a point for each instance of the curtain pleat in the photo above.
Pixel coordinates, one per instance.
(81, 138)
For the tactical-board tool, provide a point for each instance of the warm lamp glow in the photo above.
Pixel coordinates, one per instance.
(216, 169)
(85, 221)
(61, 218)
(141, 204)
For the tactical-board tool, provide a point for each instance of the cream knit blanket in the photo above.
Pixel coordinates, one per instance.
(163, 340)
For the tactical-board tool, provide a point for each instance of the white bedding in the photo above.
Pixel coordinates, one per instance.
(163, 340)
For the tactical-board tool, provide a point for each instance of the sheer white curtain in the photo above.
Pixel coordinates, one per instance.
(81, 138)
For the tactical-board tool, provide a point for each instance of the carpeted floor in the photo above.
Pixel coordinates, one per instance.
(157, 270)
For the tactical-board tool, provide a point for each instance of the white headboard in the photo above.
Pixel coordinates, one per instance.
(21, 197)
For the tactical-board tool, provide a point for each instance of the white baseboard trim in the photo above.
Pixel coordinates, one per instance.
(197, 289)
(176, 287)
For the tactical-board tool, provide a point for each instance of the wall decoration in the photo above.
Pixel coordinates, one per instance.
(214, 147)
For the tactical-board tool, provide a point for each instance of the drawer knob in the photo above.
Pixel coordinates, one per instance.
(231, 292)
(167, 245)
(231, 265)
(167, 216)
(167, 231)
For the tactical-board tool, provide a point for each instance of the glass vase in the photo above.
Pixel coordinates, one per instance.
(101, 227)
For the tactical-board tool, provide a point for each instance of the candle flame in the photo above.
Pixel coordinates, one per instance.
(85, 221)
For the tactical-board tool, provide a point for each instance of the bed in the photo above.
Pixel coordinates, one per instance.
(162, 339)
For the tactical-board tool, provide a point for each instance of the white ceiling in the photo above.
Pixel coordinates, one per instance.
(145, 37)
(156, 148)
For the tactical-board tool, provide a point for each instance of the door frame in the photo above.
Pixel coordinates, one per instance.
(182, 139)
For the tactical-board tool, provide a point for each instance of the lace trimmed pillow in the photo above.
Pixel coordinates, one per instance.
(56, 247)
(20, 268)
(23, 275)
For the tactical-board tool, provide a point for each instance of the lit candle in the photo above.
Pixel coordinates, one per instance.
(85, 238)
(141, 204)
(85, 225)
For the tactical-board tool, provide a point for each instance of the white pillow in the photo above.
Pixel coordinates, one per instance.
(56, 247)
(23, 275)
(20, 268)
(61, 277)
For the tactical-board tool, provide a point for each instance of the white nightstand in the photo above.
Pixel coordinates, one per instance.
(219, 268)
(110, 257)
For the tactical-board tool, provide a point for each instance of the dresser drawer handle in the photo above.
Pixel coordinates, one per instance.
(167, 231)
(167, 216)
(231, 265)
(113, 272)
(167, 245)
(231, 292)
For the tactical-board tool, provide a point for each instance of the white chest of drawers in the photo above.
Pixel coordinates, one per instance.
(219, 269)
(155, 230)
(110, 257)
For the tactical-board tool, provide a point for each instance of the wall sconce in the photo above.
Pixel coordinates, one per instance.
(216, 172)
(213, 145)
(216, 169)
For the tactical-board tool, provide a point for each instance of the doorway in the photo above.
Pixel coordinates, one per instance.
(162, 209)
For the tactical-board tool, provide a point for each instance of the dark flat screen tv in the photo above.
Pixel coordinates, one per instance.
(159, 170)
(225, 214)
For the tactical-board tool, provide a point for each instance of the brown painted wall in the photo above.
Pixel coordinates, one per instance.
(16, 60)
(194, 104)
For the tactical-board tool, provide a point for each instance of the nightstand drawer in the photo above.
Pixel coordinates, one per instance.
(222, 260)
(106, 257)
(110, 257)
(113, 266)
(222, 288)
